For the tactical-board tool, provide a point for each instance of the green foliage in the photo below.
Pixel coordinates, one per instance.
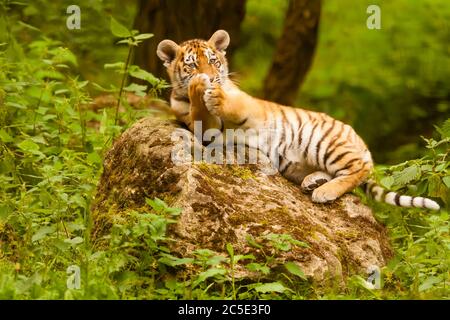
(420, 268)
(427, 176)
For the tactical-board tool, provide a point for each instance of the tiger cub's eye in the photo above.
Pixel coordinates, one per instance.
(192, 65)
(215, 62)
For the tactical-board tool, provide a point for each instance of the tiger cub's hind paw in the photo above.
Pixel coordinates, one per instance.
(314, 180)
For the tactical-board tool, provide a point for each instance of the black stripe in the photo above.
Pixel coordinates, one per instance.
(305, 154)
(412, 202)
(282, 138)
(300, 139)
(321, 140)
(339, 157)
(364, 186)
(328, 151)
(397, 199)
(299, 119)
(286, 167)
(350, 173)
(423, 203)
(221, 124)
(348, 165)
(287, 125)
(371, 188)
(300, 128)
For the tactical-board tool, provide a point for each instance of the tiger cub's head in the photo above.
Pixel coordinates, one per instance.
(192, 57)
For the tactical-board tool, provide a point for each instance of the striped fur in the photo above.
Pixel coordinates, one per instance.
(322, 154)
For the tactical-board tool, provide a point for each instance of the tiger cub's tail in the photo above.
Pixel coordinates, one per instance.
(382, 195)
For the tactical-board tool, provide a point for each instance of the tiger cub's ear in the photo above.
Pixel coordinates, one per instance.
(220, 40)
(167, 51)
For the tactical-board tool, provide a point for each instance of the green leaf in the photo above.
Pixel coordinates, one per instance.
(62, 55)
(213, 272)
(94, 158)
(28, 145)
(445, 131)
(128, 41)
(293, 268)
(435, 187)
(29, 26)
(406, 175)
(5, 137)
(118, 29)
(115, 66)
(251, 241)
(240, 257)
(446, 181)
(42, 232)
(156, 204)
(39, 139)
(15, 105)
(387, 182)
(271, 287)
(137, 72)
(230, 250)
(173, 261)
(143, 36)
(136, 88)
(428, 283)
(441, 167)
(76, 240)
(257, 267)
(215, 260)
(5, 211)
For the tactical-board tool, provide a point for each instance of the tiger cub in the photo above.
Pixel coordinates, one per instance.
(323, 155)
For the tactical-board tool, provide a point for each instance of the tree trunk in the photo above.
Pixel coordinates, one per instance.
(183, 20)
(294, 52)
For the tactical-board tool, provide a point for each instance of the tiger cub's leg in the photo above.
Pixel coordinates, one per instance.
(314, 180)
(197, 87)
(346, 179)
(228, 107)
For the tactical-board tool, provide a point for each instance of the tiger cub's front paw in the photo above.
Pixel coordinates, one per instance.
(214, 99)
(198, 85)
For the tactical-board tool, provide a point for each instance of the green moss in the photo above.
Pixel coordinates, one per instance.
(234, 170)
(241, 172)
(209, 167)
(347, 234)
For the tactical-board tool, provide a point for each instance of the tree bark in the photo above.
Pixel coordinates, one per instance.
(183, 20)
(294, 52)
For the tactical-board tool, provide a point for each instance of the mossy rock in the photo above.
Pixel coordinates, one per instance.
(228, 203)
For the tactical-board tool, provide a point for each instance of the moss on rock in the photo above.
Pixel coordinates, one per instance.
(229, 203)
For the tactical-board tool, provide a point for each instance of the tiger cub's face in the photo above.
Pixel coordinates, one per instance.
(193, 57)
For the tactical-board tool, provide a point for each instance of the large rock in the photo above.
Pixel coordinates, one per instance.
(226, 203)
